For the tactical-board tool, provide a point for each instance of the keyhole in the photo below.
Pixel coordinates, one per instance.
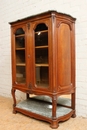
(28, 56)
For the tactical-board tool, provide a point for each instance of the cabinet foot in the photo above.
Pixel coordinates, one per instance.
(74, 115)
(14, 112)
(54, 124)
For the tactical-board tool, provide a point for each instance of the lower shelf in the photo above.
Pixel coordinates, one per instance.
(42, 106)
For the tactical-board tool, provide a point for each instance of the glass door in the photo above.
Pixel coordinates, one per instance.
(41, 56)
(20, 55)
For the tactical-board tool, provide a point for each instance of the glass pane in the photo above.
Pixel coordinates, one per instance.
(20, 74)
(41, 56)
(20, 42)
(42, 76)
(41, 38)
(20, 56)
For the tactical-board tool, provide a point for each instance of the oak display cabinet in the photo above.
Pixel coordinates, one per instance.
(43, 65)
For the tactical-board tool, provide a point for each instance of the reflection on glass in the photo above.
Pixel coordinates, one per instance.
(20, 56)
(41, 56)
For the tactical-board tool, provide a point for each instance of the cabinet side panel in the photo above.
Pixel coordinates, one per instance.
(64, 55)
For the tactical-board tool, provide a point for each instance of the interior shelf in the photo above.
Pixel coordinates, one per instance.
(21, 35)
(20, 64)
(20, 48)
(41, 65)
(37, 47)
(41, 31)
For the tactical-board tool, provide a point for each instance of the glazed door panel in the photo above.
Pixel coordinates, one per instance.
(19, 49)
(41, 55)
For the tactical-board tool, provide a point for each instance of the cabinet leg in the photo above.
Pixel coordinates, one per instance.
(14, 100)
(54, 123)
(73, 100)
(54, 106)
(14, 110)
(27, 96)
(73, 105)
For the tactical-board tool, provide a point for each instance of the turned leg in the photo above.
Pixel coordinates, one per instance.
(27, 96)
(73, 104)
(74, 115)
(14, 100)
(54, 123)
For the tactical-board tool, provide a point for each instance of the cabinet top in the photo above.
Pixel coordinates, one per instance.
(47, 14)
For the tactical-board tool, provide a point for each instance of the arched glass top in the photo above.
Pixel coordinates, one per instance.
(41, 27)
(19, 31)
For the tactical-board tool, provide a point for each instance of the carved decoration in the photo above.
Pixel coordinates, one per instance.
(65, 22)
(28, 25)
(53, 17)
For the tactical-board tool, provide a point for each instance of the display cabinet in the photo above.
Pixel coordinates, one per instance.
(43, 66)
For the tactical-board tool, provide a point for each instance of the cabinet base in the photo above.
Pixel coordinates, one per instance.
(42, 110)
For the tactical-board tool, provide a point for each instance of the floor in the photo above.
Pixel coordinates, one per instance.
(10, 121)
